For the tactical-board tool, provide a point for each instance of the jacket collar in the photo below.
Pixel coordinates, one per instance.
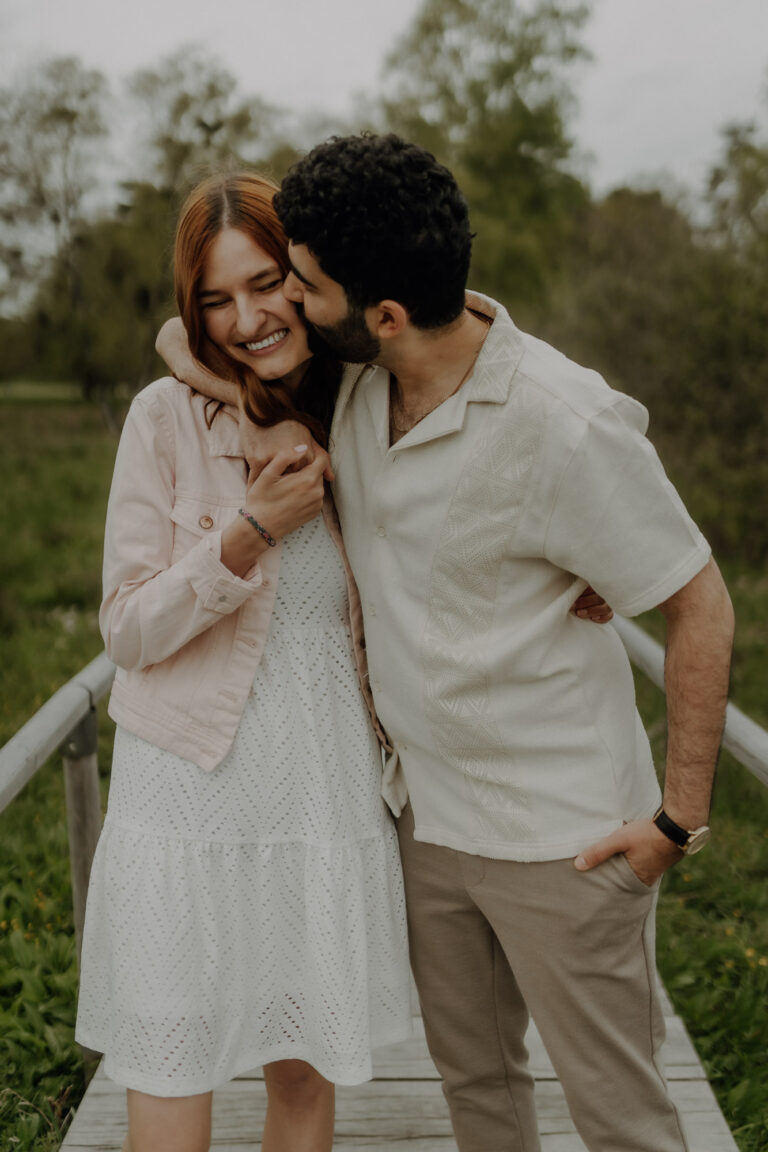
(223, 437)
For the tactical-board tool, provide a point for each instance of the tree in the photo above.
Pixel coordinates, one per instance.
(483, 85)
(125, 293)
(738, 190)
(49, 127)
(194, 120)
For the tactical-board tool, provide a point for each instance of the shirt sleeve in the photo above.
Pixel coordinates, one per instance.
(616, 519)
(152, 606)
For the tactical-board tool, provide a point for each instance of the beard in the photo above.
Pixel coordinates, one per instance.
(348, 340)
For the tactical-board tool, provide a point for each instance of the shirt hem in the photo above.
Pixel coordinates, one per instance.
(530, 852)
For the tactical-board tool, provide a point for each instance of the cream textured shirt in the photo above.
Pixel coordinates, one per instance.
(470, 538)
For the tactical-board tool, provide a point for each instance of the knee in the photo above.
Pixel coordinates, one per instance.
(295, 1083)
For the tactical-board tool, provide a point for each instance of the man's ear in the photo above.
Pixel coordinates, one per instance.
(387, 319)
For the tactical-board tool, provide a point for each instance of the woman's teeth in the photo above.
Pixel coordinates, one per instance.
(268, 341)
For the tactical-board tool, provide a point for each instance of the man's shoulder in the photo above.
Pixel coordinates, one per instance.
(542, 375)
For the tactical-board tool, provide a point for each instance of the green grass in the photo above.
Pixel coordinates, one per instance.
(54, 474)
(55, 469)
(713, 910)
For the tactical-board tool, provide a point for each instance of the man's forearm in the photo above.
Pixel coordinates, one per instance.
(699, 639)
(172, 345)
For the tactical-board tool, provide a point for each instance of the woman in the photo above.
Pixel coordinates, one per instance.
(245, 905)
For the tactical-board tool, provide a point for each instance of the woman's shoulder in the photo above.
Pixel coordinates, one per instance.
(167, 390)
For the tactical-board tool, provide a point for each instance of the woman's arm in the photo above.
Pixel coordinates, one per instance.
(154, 604)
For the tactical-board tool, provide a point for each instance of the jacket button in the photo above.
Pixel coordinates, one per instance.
(205, 522)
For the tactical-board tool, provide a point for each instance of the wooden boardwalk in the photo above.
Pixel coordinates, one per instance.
(402, 1108)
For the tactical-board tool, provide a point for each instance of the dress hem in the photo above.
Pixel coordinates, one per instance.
(141, 1082)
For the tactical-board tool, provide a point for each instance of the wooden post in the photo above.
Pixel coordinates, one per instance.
(81, 783)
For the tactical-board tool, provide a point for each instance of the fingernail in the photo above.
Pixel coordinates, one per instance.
(580, 863)
(300, 448)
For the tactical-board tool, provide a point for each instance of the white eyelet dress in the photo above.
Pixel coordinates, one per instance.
(254, 913)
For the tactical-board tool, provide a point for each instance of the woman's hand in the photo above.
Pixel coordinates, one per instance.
(591, 606)
(281, 500)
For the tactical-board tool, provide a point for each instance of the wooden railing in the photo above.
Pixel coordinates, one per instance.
(68, 722)
(743, 738)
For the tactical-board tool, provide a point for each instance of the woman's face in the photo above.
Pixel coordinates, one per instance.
(244, 310)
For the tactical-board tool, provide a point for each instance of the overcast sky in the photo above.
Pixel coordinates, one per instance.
(666, 74)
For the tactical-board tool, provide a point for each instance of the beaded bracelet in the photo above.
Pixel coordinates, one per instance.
(259, 527)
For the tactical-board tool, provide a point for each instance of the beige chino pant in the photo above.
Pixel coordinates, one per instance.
(492, 940)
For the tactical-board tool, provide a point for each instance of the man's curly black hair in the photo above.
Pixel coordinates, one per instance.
(384, 220)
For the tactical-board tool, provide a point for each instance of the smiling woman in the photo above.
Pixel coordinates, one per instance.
(245, 312)
(245, 904)
(230, 262)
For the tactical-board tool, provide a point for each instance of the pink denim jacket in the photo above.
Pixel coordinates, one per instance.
(186, 633)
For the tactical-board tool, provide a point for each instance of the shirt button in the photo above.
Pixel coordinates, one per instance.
(205, 522)
(381, 531)
(222, 599)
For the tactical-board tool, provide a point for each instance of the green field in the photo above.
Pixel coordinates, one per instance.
(54, 474)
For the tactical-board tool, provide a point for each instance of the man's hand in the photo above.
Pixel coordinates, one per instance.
(289, 435)
(699, 636)
(648, 851)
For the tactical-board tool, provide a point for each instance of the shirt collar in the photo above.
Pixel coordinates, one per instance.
(490, 382)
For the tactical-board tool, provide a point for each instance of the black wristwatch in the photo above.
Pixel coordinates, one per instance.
(688, 841)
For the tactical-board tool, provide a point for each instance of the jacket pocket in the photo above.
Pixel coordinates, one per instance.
(194, 518)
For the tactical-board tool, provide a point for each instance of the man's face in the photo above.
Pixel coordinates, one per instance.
(334, 326)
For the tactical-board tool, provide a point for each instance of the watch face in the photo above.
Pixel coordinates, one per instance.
(697, 841)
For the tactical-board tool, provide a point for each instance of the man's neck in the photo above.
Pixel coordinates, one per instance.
(429, 365)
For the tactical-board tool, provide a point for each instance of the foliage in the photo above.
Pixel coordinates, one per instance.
(49, 125)
(103, 334)
(484, 86)
(674, 319)
(196, 122)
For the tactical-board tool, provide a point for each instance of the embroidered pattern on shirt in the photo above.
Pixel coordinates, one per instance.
(462, 596)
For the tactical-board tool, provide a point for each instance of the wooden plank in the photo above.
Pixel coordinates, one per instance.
(385, 1115)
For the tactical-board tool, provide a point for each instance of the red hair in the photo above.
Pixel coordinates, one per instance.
(243, 201)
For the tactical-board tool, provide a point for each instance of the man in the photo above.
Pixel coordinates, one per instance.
(482, 481)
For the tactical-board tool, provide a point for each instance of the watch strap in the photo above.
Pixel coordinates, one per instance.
(671, 830)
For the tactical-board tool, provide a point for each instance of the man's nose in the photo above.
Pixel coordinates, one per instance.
(293, 289)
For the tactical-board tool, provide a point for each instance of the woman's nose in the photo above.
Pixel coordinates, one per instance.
(250, 315)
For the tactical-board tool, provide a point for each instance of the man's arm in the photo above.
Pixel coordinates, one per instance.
(699, 637)
(173, 346)
(262, 444)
